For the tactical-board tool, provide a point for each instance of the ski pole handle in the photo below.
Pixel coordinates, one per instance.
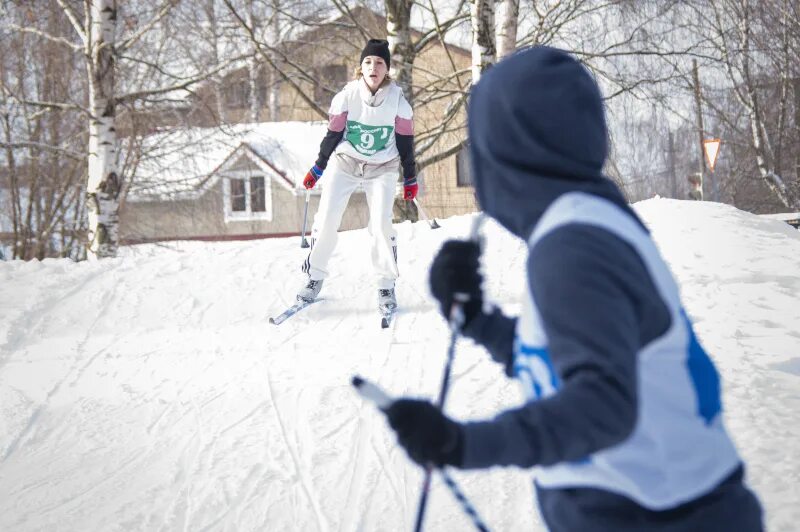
(372, 393)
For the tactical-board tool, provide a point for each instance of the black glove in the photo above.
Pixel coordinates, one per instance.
(455, 270)
(427, 435)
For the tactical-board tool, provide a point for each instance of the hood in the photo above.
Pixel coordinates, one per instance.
(537, 130)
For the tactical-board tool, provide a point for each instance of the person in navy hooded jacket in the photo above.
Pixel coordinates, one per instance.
(623, 419)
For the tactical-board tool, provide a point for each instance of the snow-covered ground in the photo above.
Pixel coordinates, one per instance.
(149, 392)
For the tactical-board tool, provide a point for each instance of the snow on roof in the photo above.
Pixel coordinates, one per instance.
(182, 164)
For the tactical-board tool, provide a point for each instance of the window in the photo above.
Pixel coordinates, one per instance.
(331, 77)
(257, 196)
(463, 168)
(237, 95)
(247, 197)
(238, 203)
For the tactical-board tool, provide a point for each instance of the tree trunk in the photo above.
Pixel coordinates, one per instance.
(255, 101)
(765, 159)
(483, 47)
(252, 70)
(104, 182)
(796, 84)
(700, 130)
(219, 95)
(274, 30)
(507, 20)
(398, 31)
(16, 207)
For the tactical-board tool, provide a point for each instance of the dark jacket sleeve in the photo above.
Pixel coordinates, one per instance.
(329, 143)
(495, 332)
(337, 124)
(405, 146)
(404, 138)
(598, 306)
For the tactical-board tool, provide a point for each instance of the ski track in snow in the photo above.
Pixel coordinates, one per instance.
(36, 316)
(150, 393)
(300, 471)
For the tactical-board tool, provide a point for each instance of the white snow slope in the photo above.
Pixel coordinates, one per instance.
(149, 392)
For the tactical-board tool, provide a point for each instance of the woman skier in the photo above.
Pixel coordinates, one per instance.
(370, 131)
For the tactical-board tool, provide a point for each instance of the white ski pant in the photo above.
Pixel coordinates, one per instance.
(341, 179)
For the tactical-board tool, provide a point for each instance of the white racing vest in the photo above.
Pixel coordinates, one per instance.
(679, 449)
(369, 134)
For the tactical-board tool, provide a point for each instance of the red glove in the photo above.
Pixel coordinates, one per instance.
(312, 177)
(410, 188)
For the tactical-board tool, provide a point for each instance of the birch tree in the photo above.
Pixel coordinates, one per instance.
(401, 48)
(483, 36)
(253, 68)
(507, 21)
(104, 183)
(273, 35)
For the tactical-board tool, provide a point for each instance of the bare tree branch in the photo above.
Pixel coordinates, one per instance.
(45, 35)
(442, 155)
(45, 147)
(76, 25)
(183, 85)
(162, 12)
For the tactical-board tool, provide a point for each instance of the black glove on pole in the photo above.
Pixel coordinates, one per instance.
(455, 275)
(428, 436)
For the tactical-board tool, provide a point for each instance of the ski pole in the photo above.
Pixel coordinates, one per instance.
(303, 241)
(456, 321)
(468, 508)
(382, 400)
(434, 224)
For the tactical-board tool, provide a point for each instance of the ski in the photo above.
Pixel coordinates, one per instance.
(291, 311)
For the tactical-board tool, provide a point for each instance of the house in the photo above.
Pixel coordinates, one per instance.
(237, 182)
(234, 174)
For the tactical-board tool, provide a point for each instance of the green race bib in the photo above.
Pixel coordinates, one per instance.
(367, 140)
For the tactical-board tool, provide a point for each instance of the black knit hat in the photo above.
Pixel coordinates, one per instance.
(378, 47)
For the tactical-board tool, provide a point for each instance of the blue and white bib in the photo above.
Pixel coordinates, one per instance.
(679, 448)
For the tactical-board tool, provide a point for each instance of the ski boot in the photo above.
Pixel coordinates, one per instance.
(310, 291)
